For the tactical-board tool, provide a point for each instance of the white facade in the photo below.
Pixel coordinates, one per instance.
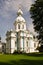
(20, 40)
(0, 47)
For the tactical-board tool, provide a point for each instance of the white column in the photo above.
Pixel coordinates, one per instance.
(25, 26)
(21, 44)
(8, 46)
(31, 45)
(24, 44)
(12, 45)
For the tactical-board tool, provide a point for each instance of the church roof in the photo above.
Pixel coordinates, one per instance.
(20, 19)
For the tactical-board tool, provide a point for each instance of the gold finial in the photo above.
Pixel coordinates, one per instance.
(19, 10)
(20, 6)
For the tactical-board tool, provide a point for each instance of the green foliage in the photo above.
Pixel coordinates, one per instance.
(36, 12)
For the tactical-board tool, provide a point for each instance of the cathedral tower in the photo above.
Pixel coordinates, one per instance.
(20, 23)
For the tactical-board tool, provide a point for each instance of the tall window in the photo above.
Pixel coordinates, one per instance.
(22, 26)
(34, 45)
(15, 44)
(18, 26)
(27, 43)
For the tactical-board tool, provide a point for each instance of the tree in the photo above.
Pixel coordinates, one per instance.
(36, 12)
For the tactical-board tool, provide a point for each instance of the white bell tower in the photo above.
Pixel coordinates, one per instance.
(20, 23)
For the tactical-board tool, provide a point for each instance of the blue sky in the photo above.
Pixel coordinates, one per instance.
(8, 14)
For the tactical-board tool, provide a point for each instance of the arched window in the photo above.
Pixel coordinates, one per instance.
(34, 45)
(18, 26)
(22, 26)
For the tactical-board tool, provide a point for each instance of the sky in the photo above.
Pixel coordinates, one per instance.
(8, 14)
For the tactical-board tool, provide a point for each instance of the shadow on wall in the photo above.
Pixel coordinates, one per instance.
(23, 62)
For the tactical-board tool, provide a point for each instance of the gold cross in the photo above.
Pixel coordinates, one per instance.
(20, 6)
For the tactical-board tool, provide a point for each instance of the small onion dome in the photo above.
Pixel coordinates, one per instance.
(20, 18)
(19, 12)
